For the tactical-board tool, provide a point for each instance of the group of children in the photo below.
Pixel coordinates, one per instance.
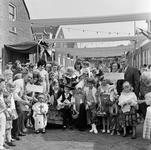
(76, 100)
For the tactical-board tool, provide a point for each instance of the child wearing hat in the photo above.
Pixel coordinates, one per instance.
(91, 103)
(66, 104)
(80, 103)
(40, 110)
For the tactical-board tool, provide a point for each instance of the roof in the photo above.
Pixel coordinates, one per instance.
(26, 9)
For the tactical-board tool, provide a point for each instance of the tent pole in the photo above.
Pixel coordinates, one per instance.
(37, 52)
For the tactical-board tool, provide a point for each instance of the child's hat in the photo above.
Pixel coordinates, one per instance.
(69, 86)
(91, 80)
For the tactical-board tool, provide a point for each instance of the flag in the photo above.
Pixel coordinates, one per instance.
(34, 37)
(44, 32)
(146, 33)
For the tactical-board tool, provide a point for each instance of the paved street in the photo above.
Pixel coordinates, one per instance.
(56, 139)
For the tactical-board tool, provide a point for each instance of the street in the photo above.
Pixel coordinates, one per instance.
(56, 139)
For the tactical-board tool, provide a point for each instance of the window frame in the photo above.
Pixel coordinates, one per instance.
(13, 29)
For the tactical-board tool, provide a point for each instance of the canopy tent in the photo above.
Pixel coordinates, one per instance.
(76, 20)
(96, 52)
(19, 51)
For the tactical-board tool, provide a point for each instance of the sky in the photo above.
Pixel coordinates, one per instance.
(48, 9)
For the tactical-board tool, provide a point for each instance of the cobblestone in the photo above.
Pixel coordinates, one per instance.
(56, 139)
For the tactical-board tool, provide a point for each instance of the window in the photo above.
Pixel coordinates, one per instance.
(12, 16)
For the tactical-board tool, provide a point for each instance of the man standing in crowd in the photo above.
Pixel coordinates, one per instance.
(131, 74)
(21, 103)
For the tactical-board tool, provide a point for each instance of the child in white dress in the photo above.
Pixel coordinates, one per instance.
(128, 103)
(40, 110)
(147, 122)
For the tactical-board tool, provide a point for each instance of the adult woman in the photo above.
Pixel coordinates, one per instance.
(145, 87)
(116, 118)
(16, 68)
(78, 67)
(44, 74)
(115, 67)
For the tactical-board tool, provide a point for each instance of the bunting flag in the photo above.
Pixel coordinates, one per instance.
(146, 33)
(44, 32)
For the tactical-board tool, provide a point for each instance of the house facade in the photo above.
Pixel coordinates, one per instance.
(55, 32)
(13, 10)
(142, 53)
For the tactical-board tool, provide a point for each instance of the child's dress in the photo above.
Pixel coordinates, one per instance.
(147, 124)
(104, 95)
(39, 114)
(129, 111)
(54, 115)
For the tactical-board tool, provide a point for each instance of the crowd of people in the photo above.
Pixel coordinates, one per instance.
(74, 98)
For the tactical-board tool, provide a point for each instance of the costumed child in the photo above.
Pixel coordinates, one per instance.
(9, 118)
(91, 103)
(54, 115)
(40, 110)
(104, 91)
(147, 122)
(66, 104)
(128, 103)
(80, 113)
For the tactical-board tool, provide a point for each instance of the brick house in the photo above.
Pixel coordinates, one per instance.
(13, 10)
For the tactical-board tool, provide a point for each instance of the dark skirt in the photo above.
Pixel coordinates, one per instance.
(116, 122)
(130, 118)
(54, 116)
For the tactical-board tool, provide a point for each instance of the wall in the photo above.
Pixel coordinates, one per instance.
(22, 34)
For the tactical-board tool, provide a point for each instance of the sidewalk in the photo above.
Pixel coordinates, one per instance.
(56, 139)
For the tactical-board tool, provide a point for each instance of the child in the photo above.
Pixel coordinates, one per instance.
(2, 119)
(54, 115)
(80, 113)
(104, 103)
(128, 103)
(147, 122)
(91, 103)
(40, 110)
(65, 103)
(9, 117)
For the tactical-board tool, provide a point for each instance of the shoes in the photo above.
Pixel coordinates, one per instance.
(64, 127)
(12, 140)
(21, 134)
(124, 135)
(133, 137)
(92, 128)
(71, 128)
(16, 138)
(112, 133)
(24, 130)
(37, 131)
(10, 144)
(43, 131)
(95, 129)
(108, 131)
(118, 133)
(5, 146)
(103, 131)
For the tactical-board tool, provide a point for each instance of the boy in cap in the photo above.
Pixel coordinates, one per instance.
(91, 102)
(65, 103)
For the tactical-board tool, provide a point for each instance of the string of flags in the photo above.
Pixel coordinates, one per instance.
(97, 32)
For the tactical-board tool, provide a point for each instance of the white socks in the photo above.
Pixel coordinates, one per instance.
(94, 129)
